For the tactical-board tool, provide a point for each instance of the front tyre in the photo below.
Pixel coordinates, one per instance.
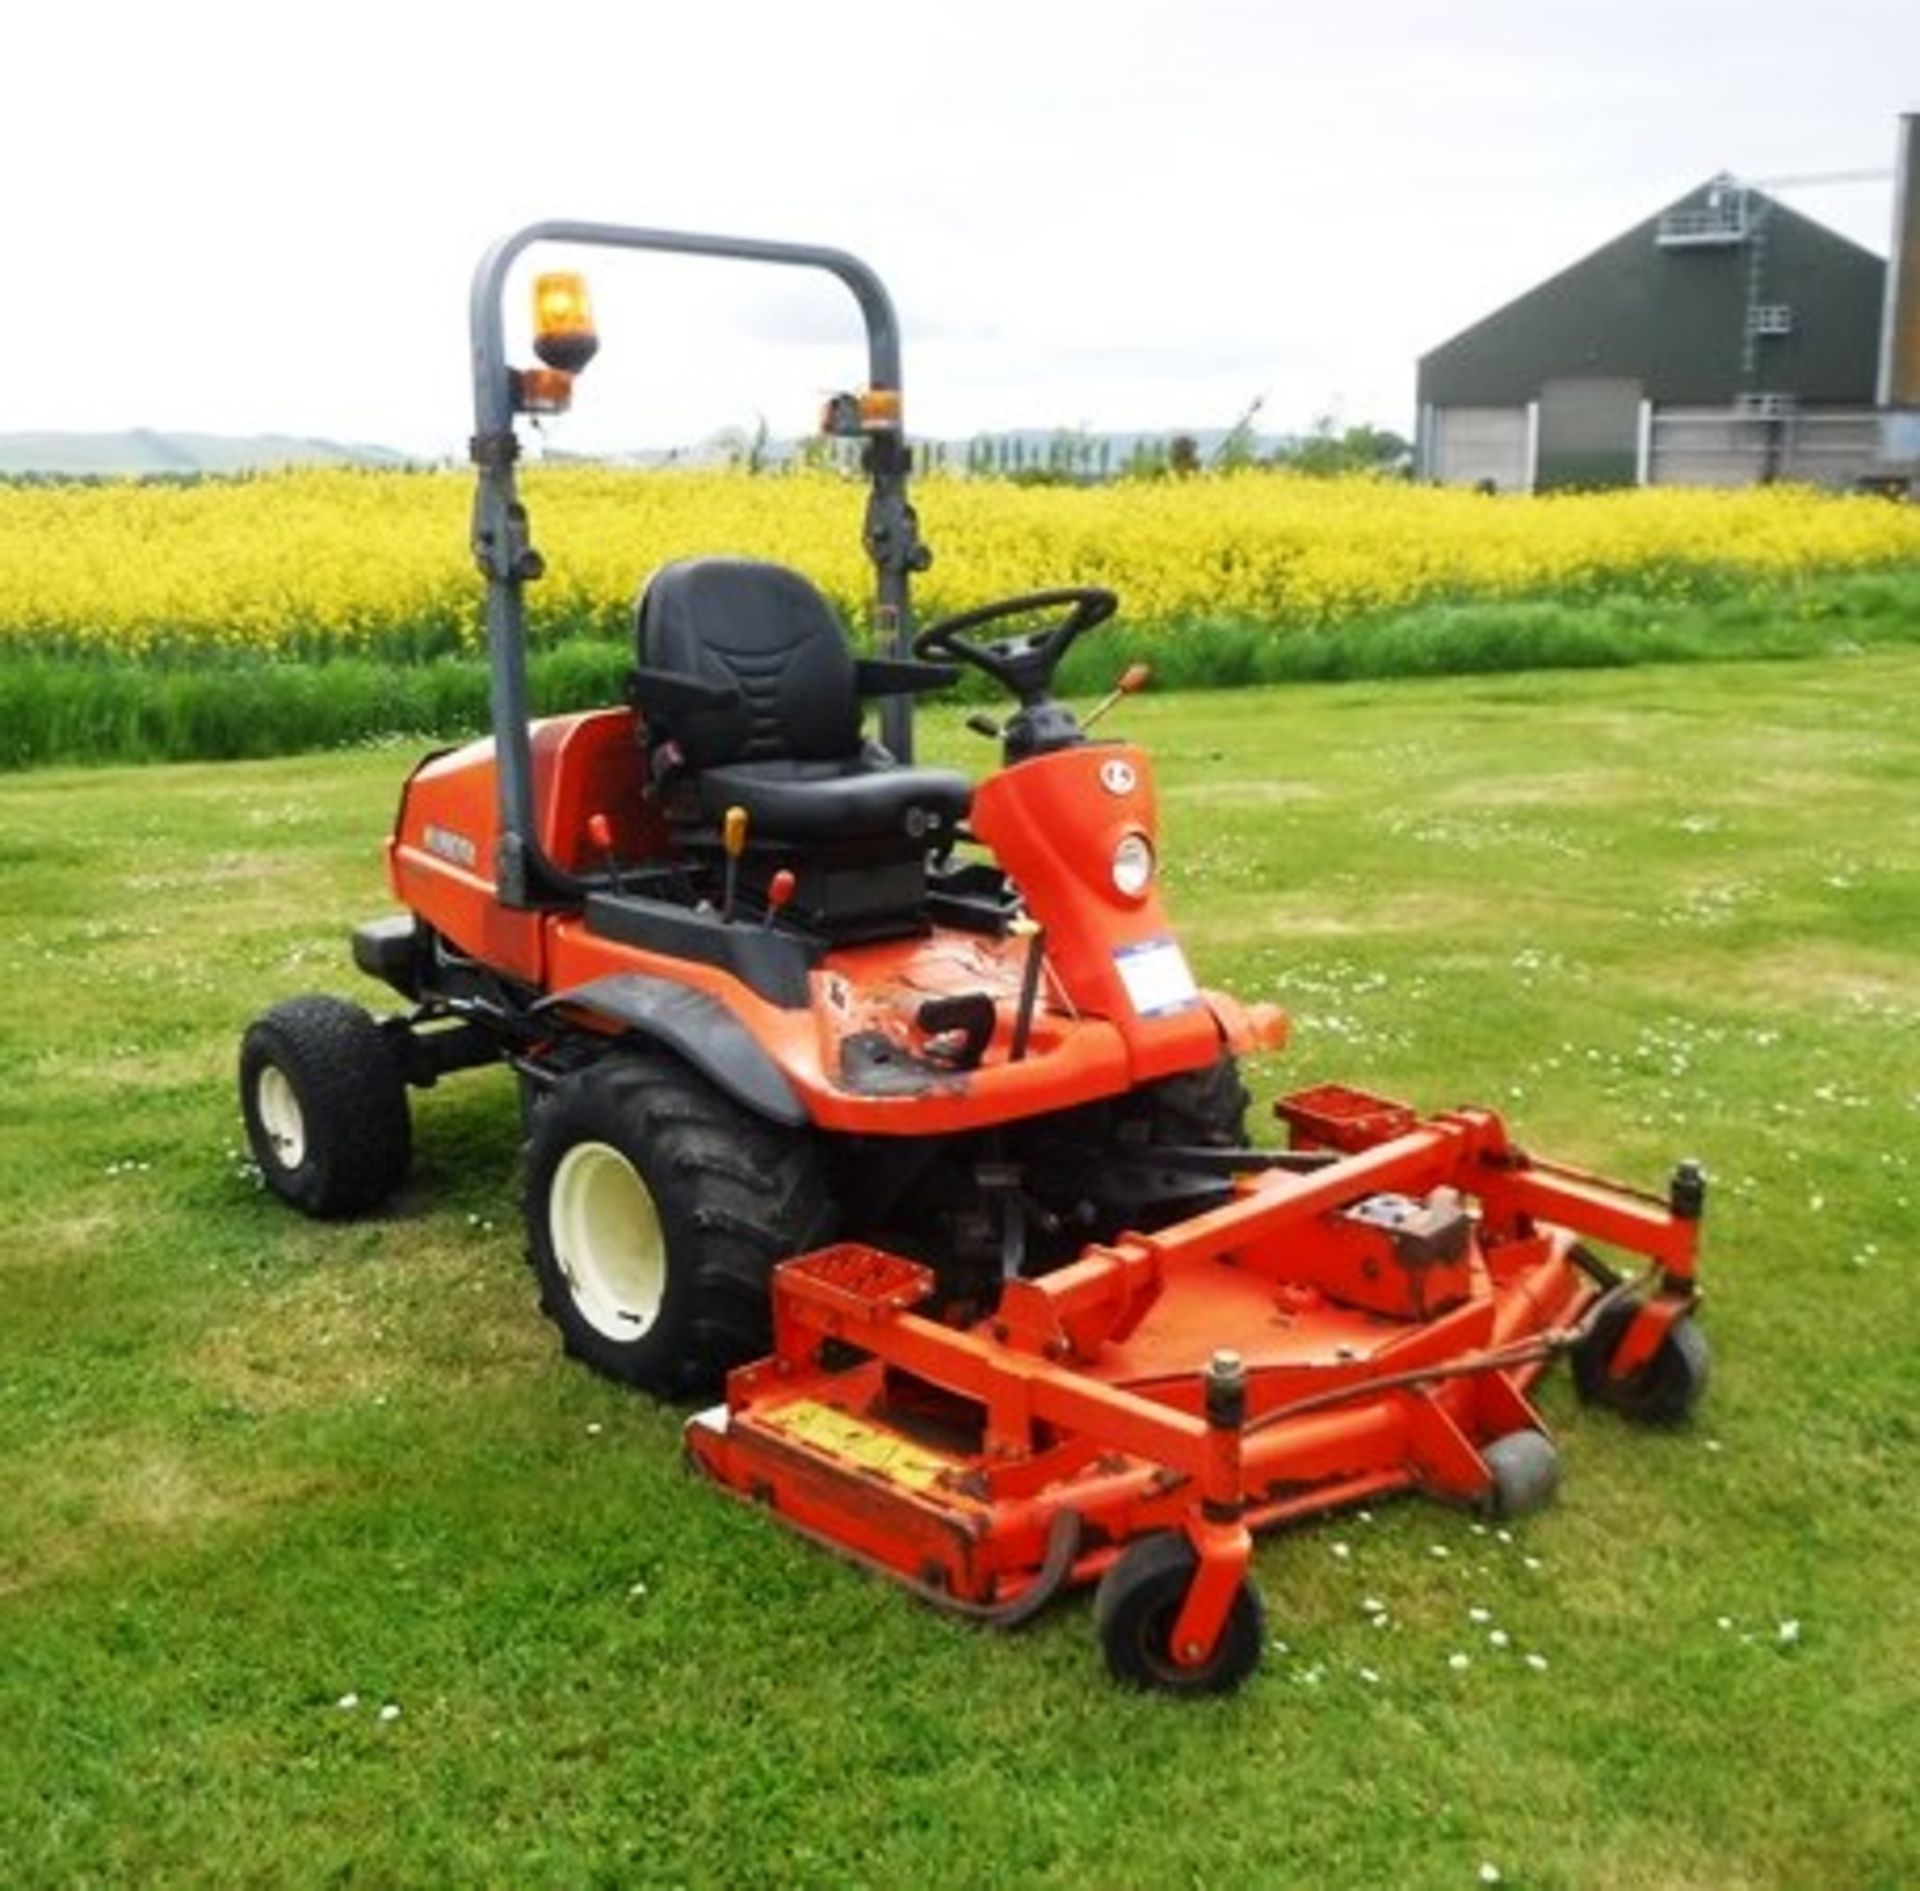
(657, 1209)
(325, 1107)
(1202, 1109)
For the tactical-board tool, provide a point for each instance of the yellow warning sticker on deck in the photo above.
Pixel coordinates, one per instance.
(872, 1447)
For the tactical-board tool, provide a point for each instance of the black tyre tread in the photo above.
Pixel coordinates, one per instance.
(353, 1098)
(1141, 1592)
(1665, 1391)
(1199, 1108)
(748, 1193)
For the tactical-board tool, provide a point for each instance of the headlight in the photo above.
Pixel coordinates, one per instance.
(1133, 865)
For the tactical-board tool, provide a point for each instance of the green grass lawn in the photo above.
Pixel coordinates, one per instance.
(263, 1480)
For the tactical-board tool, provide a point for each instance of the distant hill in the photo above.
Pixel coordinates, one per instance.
(1062, 450)
(144, 453)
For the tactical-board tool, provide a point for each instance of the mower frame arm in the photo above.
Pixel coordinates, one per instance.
(502, 543)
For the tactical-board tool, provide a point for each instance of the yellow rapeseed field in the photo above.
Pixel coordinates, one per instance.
(377, 562)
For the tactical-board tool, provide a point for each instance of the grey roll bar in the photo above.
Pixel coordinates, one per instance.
(503, 547)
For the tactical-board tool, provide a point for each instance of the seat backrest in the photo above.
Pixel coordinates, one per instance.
(769, 634)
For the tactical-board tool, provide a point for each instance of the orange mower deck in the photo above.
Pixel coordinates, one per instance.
(1366, 1324)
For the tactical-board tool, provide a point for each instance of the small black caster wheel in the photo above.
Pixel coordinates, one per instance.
(1665, 1390)
(1137, 1605)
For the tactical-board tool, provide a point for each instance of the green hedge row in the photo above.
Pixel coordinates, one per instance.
(83, 709)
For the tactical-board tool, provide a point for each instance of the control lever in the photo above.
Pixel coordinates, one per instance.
(733, 836)
(1029, 929)
(1135, 677)
(600, 836)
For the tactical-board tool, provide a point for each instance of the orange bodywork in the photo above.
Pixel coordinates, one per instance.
(1052, 821)
(1255, 1336)
(1381, 1306)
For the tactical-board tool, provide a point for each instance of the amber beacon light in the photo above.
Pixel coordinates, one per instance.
(563, 333)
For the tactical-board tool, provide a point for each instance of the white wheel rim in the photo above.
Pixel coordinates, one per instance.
(277, 1105)
(607, 1238)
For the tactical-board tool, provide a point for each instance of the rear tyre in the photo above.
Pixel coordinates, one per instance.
(1526, 1474)
(325, 1107)
(657, 1209)
(1663, 1392)
(1139, 1601)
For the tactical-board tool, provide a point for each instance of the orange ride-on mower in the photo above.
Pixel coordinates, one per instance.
(887, 1101)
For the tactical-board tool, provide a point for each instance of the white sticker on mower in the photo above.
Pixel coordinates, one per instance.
(1156, 976)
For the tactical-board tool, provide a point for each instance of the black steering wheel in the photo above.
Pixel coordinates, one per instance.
(1024, 664)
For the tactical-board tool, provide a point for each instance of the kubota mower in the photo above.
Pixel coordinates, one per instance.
(887, 1100)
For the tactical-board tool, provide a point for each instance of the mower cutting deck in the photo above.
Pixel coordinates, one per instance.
(889, 1099)
(1343, 1329)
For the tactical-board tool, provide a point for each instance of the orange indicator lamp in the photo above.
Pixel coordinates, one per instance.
(563, 332)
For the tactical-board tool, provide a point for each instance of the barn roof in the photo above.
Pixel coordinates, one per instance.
(1669, 303)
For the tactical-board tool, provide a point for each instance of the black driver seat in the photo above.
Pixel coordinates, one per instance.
(771, 722)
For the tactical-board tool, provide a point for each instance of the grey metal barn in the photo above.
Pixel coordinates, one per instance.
(1725, 341)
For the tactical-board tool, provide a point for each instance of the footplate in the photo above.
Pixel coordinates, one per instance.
(861, 1284)
(1332, 1116)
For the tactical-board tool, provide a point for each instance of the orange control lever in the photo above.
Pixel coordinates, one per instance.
(733, 836)
(1134, 678)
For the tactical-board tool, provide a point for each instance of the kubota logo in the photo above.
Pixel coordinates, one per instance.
(1117, 777)
(450, 846)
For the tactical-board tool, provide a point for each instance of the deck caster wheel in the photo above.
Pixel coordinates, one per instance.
(1525, 1466)
(1135, 1608)
(325, 1107)
(1665, 1390)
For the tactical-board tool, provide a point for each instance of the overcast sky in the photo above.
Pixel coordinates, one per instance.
(1125, 214)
